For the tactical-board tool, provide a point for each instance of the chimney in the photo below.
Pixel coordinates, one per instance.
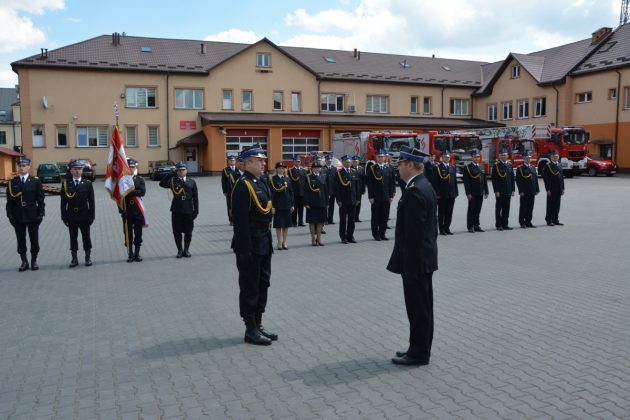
(358, 55)
(203, 48)
(115, 39)
(355, 53)
(432, 55)
(43, 53)
(599, 34)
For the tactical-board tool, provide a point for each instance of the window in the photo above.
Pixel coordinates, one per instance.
(584, 97)
(141, 97)
(612, 93)
(38, 135)
(227, 98)
(3, 137)
(154, 136)
(92, 136)
(377, 104)
(492, 112)
(189, 98)
(627, 98)
(540, 107)
(507, 110)
(459, 106)
(523, 108)
(516, 72)
(426, 105)
(277, 101)
(263, 60)
(413, 106)
(247, 100)
(296, 146)
(332, 102)
(131, 136)
(296, 102)
(62, 136)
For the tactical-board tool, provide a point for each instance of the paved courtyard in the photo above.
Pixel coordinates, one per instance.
(529, 323)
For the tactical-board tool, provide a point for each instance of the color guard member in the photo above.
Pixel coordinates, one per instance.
(133, 214)
(78, 211)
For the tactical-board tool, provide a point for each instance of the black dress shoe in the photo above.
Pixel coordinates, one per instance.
(448, 232)
(529, 225)
(358, 221)
(558, 223)
(523, 226)
(352, 241)
(384, 238)
(323, 232)
(478, 229)
(442, 233)
(407, 360)
(344, 241)
(471, 230)
(269, 335)
(23, 267)
(376, 238)
(180, 254)
(507, 228)
(301, 224)
(331, 223)
(254, 336)
(550, 224)
(499, 228)
(401, 353)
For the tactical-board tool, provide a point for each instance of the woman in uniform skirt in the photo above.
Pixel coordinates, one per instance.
(316, 202)
(282, 204)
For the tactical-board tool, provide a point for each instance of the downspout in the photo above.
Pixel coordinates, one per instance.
(168, 121)
(617, 114)
(557, 104)
(319, 96)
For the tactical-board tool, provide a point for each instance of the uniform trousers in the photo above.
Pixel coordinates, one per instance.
(134, 230)
(298, 212)
(346, 221)
(379, 218)
(474, 210)
(553, 208)
(33, 234)
(331, 209)
(84, 227)
(526, 209)
(182, 224)
(227, 203)
(254, 274)
(418, 292)
(445, 213)
(502, 210)
(357, 210)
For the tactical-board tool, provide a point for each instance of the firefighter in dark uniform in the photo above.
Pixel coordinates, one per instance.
(356, 160)
(527, 182)
(282, 204)
(252, 244)
(25, 210)
(429, 168)
(329, 171)
(476, 187)
(380, 183)
(554, 185)
(503, 187)
(132, 215)
(228, 178)
(297, 175)
(184, 207)
(347, 194)
(445, 185)
(78, 211)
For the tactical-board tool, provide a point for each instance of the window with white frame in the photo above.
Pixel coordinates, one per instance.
(141, 97)
(507, 110)
(38, 135)
(492, 112)
(296, 101)
(459, 106)
(189, 98)
(413, 105)
(92, 136)
(153, 136)
(612, 93)
(277, 100)
(61, 135)
(131, 136)
(523, 108)
(584, 97)
(263, 60)
(516, 72)
(3, 137)
(540, 107)
(627, 98)
(426, 105)
(377, 104)
(332, 102)
(227, 98)
(296, 146)
(247, 100)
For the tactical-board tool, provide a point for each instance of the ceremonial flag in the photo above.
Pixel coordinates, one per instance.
(118, 178)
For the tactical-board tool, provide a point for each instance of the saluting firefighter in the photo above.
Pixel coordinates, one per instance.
(380, 187)
(184, 207)
(503, 186)
(78, 211)
(445, 185)
(330, 171)
(554, 185)
(25, 210)
(316, 201)
(297, 175)
(133, 214)
(356, 160)
(282, 199)
(527, 182)
(476, 188)
(251, 215)
(347, 195)
(228, 178)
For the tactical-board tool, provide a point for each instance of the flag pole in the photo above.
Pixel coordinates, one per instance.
(124, 207)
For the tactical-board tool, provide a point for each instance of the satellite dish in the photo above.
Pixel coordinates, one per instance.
(45, 102)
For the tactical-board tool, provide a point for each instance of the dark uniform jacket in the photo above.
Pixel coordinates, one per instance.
(140, 189)
(331, 173)
(415, 247)
(317, 190)
(527, 180)
(251, 216)
(429, 171)
(297, 180)
(25, 202)
(77, 202)
(228, 178)
(502, 178)
(185, 196)
(347, 187)
(553, 178)
(445, 181)
(380, 182)
(361, 176)
(282, 192)
(475, 182)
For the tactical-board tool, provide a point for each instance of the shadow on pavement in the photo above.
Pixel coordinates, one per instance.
(184, 347)
(343, 372)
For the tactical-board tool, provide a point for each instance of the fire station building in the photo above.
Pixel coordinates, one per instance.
(196, 101)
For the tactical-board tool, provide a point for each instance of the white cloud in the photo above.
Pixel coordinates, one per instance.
(8, 78)
(37, 7)
(234, 35)
(72, 20)
(18, 30)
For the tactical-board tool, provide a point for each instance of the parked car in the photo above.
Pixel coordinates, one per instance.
(88, 169)
(160, 168)
(48, 172)
(596, 165)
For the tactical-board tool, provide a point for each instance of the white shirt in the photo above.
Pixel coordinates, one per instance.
(24, 178)
(410, 181)
(76, 181)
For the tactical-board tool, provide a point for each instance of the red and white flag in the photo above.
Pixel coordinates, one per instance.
(118, 177)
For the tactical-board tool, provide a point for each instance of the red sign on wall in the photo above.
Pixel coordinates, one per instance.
(187, 124)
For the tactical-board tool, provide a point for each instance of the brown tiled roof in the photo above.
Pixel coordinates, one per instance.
(325, 119)
(611, 53)
(9, 152)
(195, 139)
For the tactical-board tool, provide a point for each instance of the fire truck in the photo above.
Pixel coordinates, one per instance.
(515, 147)
(459, 143)
(366, 144)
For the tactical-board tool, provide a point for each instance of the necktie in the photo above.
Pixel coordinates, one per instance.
(76, 182)
(23, 179)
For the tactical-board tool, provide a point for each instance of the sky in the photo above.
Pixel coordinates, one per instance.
(480, 30)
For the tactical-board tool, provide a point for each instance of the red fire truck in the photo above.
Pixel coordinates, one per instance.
(515, 147)
(459, 143)
(366, 144)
